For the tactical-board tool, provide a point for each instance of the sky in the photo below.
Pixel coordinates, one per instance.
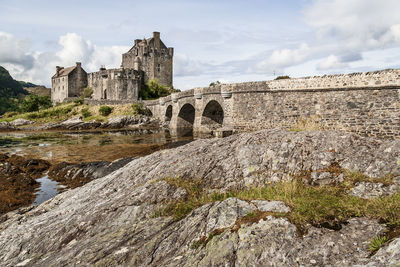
(225, 40)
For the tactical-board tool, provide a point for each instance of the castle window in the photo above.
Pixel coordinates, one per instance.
(159, 67)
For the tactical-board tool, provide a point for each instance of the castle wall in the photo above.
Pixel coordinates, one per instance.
(153, 58)
(365, 103)
(115, 84)
(77, 81)
(59, 89)
(161, 67)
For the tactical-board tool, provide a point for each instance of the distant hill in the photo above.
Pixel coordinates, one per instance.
(35, 89)
(10, 92)
(27, 84)
(8, 86)
(39, 90)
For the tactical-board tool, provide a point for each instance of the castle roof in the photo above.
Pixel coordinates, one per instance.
(147, 42)
(64, 72)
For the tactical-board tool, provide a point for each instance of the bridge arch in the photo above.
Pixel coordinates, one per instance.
(213, 115)
(185, 119)
(168, 113)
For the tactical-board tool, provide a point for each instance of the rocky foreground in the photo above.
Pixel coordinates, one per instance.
(122, 219)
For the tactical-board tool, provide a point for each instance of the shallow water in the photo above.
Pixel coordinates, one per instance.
(47, 190)
(78, 147)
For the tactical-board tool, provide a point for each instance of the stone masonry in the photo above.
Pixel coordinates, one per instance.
(365, 103)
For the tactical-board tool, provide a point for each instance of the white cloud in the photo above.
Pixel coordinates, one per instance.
(331, 62)
(17, 56)
(74, 48)
(277, 60)
(361, 24)
(185, 66)
(287, 57)
(15, 51)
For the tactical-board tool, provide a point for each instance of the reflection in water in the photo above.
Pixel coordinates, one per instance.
(88, 146)
(47, 190)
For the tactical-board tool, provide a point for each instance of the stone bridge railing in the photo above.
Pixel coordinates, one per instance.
(366, 103)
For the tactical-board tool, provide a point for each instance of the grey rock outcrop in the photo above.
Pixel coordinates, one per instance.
(125, 121)
(372, 190)
(21, 122)
(71, 124)
(110, 221)
(119, 122)
(5, 126)
(89, 170)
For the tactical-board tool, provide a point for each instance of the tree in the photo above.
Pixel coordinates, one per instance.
(215, 83)
(153, 89)
(34, 103)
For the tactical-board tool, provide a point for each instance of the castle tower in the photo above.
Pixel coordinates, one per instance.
(152, 57)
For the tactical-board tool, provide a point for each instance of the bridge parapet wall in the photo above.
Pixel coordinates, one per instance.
(366, 103)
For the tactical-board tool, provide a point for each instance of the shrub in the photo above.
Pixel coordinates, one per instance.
(214, 83)
(105, 110)
(10, 114)
(78, 101)
(138, 109)
(86, 113)
(87, 92)
(282, 77)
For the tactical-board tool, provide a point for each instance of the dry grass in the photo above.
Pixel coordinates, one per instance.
(307, 124)
(355, 177)
(321, 206)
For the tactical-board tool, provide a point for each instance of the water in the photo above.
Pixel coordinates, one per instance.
(78, 147)
(47, 190)
(75, 147)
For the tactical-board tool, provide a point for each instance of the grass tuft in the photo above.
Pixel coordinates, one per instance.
(307, 124)
(377, 242)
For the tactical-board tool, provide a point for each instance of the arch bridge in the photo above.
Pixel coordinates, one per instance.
(199, 110)
(365, 103)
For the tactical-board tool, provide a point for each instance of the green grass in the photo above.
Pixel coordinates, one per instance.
(377, 242)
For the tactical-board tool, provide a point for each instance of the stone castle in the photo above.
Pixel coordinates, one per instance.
(148, 59)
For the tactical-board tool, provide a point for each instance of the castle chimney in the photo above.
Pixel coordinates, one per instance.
(137, 41)
(78, 64)
(156, 37)
(171, 51)
(58, 68)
